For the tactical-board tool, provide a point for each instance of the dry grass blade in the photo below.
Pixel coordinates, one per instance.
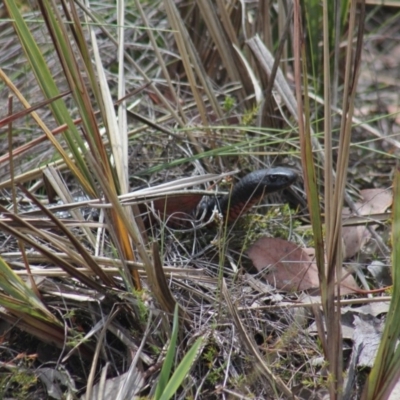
(10, 118)
(328, 175)
(351, 75)
(161, 62)
(45, 330)
(191, 60)
(48, 132)
(224, 46)
(80, 249)
(68, 267)
(117, 132)
(102, 26)
(96, 355)
(267, 63)
(310, 179)
(56, 182)
(40, 223)
(277, 80)
(311, 187)
(158, 283)
(14, 198)
(333, 245)
(260, 364)
(280, 51)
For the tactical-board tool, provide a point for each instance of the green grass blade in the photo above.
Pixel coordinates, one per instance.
(182, 370)
(169, 358)
(19, 297)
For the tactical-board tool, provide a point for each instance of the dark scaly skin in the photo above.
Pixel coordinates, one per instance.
(251, 189)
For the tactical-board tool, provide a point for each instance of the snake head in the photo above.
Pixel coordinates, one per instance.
(252, 188)
(269, 180)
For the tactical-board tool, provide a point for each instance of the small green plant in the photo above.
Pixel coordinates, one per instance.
(229, 103)
(17, 384)
(142, 307)
(249, 116)
(76, 339)
(210, 354)
(216, 375)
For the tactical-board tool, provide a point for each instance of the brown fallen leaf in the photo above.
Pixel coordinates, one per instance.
(374, 201)
(289, 267)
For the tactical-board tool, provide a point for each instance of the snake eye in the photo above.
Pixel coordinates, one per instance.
(273, 178)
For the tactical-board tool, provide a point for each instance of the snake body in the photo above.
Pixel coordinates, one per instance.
(181, 211)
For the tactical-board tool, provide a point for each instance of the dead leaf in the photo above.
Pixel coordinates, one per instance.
(367, 338)
(374, 201)
(289, 267)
